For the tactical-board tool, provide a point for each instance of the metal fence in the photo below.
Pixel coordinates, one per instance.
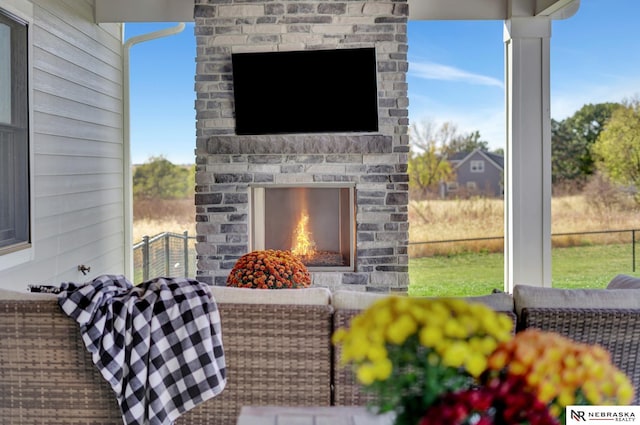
(574, 238)
(173, 254)
(166, 254)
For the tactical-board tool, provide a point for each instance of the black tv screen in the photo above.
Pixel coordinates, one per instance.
(313, 91)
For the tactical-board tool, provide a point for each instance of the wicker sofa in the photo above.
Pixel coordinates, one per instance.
(277, 350)
(277, 347)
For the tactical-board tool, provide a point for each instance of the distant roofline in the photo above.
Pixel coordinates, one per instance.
(486, 154)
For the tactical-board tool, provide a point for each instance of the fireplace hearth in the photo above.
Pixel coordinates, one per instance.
(315, 222)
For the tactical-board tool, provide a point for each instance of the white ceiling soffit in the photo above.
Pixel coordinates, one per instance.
(557, 9)
(182, 10)
(144, 10)
(434, 10)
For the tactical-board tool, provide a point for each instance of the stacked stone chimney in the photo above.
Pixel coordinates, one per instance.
(228, 164)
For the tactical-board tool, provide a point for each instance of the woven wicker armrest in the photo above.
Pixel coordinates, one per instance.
(46, 373)
(276, 355)
(616, 330)
(346, 390)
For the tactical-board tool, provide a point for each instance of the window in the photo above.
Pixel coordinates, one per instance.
(477, 166)
(452, 186)
(471, 186)
(15, 232)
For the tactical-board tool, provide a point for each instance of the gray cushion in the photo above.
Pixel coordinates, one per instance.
(7, 294)
(525, 296)
(623, 281)
(301, 296)
(500, 301)
(345, 299)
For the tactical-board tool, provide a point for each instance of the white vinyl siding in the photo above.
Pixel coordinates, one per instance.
(78, 153)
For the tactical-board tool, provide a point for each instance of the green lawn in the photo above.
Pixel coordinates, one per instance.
(479, 274)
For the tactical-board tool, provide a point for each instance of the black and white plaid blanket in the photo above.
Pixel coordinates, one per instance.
(158, 344)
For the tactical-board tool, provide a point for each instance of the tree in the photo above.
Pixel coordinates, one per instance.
(424, 135)
(468, 143)
(428, 164)
(160, 179)
(571, 142)
(617, 149)
(499, 151)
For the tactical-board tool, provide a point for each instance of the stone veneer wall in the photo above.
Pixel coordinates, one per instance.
(228, 164)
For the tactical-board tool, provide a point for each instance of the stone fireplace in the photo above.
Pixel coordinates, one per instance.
(354, 184)
(316, 222)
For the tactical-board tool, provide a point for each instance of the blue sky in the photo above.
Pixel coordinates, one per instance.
(456, 74)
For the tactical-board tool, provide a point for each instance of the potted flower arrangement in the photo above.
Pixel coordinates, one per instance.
(447, 361)
(269, 269)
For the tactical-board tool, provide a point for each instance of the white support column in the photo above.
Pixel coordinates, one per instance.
(528, 153)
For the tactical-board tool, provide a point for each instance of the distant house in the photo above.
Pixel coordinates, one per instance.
(477, 173)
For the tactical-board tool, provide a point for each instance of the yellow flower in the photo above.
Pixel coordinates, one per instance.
(359, 322)
(419, 313)
(498, 360)
(339, 336)
(356, 349)
(607, 389)
(382, 369)
(516, 367)
(571, 377)
(476, 363)
(439, 313)
(401, 329)
(555, 410)
(553, 355)
(457, 305)
(570, 361)
(376, 353)
(566, 397)
(376, 336)
(366, 374)
(624, 394)
(401, 304)
(591, 392)
(597, 371)
(455, 354)
(454, 329)
(470, 324)
(430, 336)
(383, 316)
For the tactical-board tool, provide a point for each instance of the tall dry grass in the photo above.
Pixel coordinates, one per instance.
(444, 220)
(152, 217)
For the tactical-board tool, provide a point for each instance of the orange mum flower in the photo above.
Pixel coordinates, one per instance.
(561, 371)
(269, 269)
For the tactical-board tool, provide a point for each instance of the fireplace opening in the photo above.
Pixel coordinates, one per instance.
(316, 223)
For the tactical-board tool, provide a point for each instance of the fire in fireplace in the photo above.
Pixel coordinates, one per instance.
(316, 223)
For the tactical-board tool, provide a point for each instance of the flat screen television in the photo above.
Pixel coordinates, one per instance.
(311, 91)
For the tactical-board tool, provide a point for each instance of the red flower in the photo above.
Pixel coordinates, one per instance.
(501, 401)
